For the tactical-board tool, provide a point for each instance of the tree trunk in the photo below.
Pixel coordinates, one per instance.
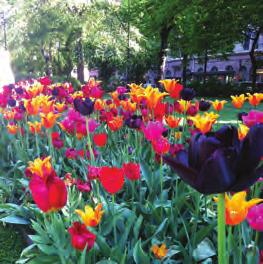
(205, 66)
(185, 57)
(80, 65)
(253, 58)
(164, 35)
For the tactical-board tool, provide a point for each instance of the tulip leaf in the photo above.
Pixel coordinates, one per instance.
(204, 250)
(13, 219)
(139, 255)
(137, 227)
(106, 262)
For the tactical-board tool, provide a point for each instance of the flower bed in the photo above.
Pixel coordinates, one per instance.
(131, 176)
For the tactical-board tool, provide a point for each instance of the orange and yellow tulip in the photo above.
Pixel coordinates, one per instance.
(238, 100)
(237, 207)
(115, 123)
(32, 106)
(159, 252)
(34, 127)
(254, 99)
(218, 105)
(40, 167)
(172, 121)
(153, 96)
(12, 129)
(91, 217)
(203, 123)
(49, 120)
(172, 87)
(242, 131)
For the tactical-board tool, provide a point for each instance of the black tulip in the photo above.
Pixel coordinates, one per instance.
(219, 162)
(85, 107)
(204, 105)
(188, 94)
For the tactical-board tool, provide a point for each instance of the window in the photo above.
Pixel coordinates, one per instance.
(243, 72)
(229, 68)
(214, 69)
(168, 74)
(200, 70)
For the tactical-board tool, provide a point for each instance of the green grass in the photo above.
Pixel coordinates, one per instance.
(11, 244)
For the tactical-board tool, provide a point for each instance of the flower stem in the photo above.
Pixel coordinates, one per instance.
(221, 229)
(114, 220)
(89, 142)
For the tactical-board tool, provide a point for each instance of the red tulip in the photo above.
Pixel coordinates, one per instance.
(132, 171)
(81, 236)
(100, 139)
(112, 179)
(49, 193)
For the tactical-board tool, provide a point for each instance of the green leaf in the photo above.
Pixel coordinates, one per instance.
(204, 250)
(106, 262)
(139, 255)
(13, 219)
(137, 227)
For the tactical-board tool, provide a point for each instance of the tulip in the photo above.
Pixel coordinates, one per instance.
(254, 99)
(100, 139)
(172, 87)
(218, 162)
(253, 117)
(236, 208)
(159, 252)
(35, 127)
(242, 131)
(132, 171)
(153, 130)
(172, 121)
(85, 107)
(49, 193)
(161, 145)
(81, 237)
(188, 94)
(218, 105)
(91, 217)
(112, 179)
(255, 217)
(115, 123)
(49, 120)
(204, 105)
(238, 101)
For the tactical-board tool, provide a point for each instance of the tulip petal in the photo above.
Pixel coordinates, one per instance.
(222, 166)
(200, 149)
(181, 167)
(228, 135)
(249, 158)
(39, 193)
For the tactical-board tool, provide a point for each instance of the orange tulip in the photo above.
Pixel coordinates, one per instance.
(32, 106)
(153, 96)
(35, 90)
(34, 127)
(255, 99)
(8, 115)
(12, 129)
(99, 104)
(49, 120)
(115, 123)
(172, 87)
(128, 106)
(136, 92)
(91, 217)
(237, 207)
(183, 105)
(60, 107)
(238, 100)
(159, 252)
(172, 121)
(218, 105)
